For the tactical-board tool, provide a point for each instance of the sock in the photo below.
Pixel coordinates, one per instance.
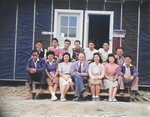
(93, 96)
(96, 96)
(52, 93)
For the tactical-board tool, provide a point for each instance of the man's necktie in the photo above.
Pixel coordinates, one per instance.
(79, 70)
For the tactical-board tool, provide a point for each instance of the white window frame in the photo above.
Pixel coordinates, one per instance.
(73, 12)
(69, 15)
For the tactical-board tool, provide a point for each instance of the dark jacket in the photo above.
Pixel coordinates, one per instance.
(40, 65)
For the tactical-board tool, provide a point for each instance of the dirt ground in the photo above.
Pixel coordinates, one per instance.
(15, 102)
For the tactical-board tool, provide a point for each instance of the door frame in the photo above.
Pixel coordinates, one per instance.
(86, 26)
(67, 11)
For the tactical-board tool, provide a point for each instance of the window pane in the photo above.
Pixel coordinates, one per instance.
(64, 21)
(73, 21)
(72, 32)
(63, 32)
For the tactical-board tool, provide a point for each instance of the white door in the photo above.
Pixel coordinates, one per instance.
(86, 26)
(68, 24)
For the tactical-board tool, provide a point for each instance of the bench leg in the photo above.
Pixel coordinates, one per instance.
(87, 88)
(132, 96)
(33, 95)
(34, 86)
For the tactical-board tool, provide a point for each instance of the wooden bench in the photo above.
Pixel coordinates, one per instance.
(45, 91)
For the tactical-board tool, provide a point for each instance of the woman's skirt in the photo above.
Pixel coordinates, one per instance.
(54, 81)
(107, 83)
(63, 82)
(95, 82)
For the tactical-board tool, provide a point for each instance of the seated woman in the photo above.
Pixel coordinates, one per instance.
(65, 80)
(54, 47)
(51, 72)
(96, 74)
(110, 77)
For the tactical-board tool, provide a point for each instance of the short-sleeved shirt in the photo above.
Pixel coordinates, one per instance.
(119, 60)
(89, 53)
(51, 67)
(63, 51)
(110, 69)
(64, 68)
(104, 54)
(56, 50)
(76, 52)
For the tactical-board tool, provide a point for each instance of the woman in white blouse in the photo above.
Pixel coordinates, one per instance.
(65, 80)
(96, 73)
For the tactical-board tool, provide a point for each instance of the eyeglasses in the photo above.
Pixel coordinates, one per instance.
(126, 59)
(34, 55)
(39, 44)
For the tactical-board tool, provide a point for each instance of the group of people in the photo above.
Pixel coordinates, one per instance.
(72, 69)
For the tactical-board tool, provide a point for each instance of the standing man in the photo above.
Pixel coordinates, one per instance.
(119, 56)
(104, 51)
(35, 69)
(77, 50)
(67, 43)
(90, 51)
(79, 73)
(128, 76)
(42, 51)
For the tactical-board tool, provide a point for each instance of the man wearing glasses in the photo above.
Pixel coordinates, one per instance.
(35, 69)
(42, 51)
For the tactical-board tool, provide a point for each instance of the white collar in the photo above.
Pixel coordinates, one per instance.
(79, 63)
(96, 65)
(36, 61)
(49, 61)
(66, 63)
(55, 48)
(41, 50)
(125, 64)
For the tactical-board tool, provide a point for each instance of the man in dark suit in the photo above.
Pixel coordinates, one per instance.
(35, 69)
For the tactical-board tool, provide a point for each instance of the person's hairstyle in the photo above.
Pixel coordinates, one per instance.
(62, 60)
(39, 42)
(55, 39)
(106, 42)
(111, 55)
(128, 56)
(67, 40)
(91, 41)
(50, 52)
(119, 48)
(82, 53)
(77, 41)
(33, 51)
(100, 61)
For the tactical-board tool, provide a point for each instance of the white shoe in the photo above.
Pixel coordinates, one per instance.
(110, 100)
(114, 100)
(62, 99)
(53, 98)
